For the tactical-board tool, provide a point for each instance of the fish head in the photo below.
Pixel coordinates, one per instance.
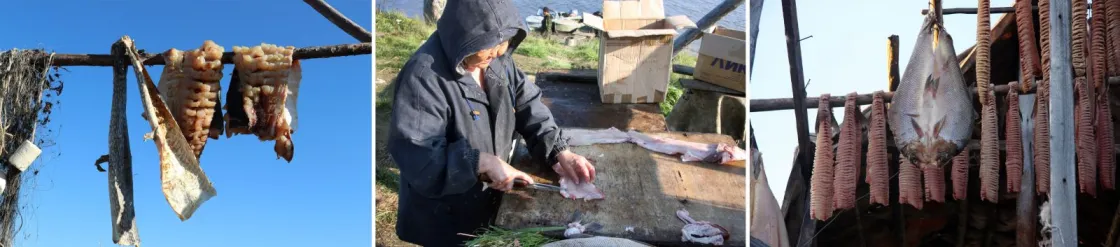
(930, 152)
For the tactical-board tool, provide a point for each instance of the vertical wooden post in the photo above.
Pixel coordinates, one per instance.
(797, 81)
(756, 15)
(1063, 191)
(120, 156)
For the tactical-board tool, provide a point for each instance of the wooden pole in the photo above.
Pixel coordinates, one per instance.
(706, 22)
(348, 26)
(1063, 191)
(227, 58)
(779, 104)
(797, 81)
(756, 16)
(997, 10)
(1025, 230)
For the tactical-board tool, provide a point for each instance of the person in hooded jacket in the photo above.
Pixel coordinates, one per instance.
(458, 102)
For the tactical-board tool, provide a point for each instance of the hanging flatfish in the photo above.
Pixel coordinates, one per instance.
(931, 114)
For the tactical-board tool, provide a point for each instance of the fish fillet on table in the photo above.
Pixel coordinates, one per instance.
(262, 97)
(931, 115)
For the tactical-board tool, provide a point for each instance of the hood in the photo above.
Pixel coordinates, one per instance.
(468, 26)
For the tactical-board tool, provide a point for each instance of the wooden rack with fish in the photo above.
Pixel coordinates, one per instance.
(1050, 117)
(172, 144)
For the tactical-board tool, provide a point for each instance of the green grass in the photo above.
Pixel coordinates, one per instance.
(495, 236)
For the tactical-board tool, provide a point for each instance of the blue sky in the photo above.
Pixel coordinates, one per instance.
(321, 199)
(847, 53)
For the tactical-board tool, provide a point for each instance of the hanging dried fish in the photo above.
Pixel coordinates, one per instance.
(909, 184)
(989, 151)
(1042, 116)
(877, 172)
(1013, 165)
(1086, 142)
(960, 176)
(1028, 50)
(1083, 108)
(1102, 18)
(820, 189)
(1112, 35)
(846, 174)
(190, 84)
(931, 115)
(265, 99)
(934, 177)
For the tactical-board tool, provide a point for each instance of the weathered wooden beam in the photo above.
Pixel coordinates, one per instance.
(1063, 191)
(705, 23)
(1026, 208)
(996, 10)
(797, 81)
(892, 63)
(227, 58)
(348, 26)
(756, 16)
(779, 104)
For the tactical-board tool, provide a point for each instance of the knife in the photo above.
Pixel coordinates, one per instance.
(522, 183)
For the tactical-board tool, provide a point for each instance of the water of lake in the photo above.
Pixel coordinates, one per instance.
(694, 9)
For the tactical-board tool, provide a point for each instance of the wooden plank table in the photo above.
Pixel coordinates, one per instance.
(643, 190)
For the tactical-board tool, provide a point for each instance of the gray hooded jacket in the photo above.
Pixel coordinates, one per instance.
(436, 138)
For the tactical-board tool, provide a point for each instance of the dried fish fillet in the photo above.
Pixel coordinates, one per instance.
(585, 191)
(1042, 104)
(269, 79)
(989, 151)
(1014, 160)
(1028, 48)
(719, 153)
(1086, 142)
(909, 184)
(846, 173)
(190, 84)
(1106, 157)
(820, 185)
(185, 185)
(960, 176)
(1103, 116)
(877, 171)
(1112, 36)
(584, 137)
(931, 113)
(1080, 41)
(934, 177)
(701, 232)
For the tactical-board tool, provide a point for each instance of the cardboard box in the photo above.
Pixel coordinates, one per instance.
(722, 59)
(635, 50)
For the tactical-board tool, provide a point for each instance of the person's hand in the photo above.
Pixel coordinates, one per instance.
(574, 167)
(500, 173)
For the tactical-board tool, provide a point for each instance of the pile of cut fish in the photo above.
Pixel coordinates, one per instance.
(931, 117)
(185, 110)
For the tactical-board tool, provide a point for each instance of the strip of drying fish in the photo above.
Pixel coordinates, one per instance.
(1112, 36)
(1086, 142)
(185, 185)
(983, 54)
(1042, 138)
(1028, 49)
(877, 171)
(989, 151)
(1044, 37)
(1106, 158)
(1080, 39)
(934, 177)
(1013, 165)
(959, 175)
(848, 155)
(909, 184)
(820, 186)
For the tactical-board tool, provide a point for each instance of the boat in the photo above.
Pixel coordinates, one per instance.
(562, 22)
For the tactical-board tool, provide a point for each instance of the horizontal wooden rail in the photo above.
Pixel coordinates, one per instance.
(227, 58)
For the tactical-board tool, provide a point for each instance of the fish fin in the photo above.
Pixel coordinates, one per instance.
(937, 127)
(931, 85)
(917, 128)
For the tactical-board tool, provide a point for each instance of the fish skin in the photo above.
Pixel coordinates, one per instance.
(932, 125)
